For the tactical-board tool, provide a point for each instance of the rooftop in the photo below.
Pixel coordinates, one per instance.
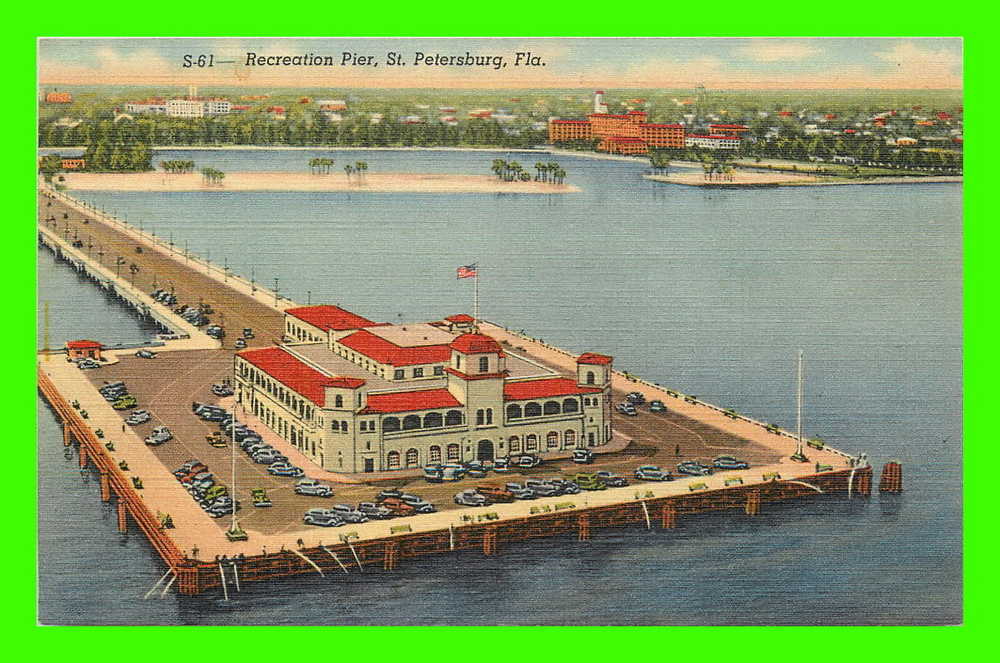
(328, 317)
(593, 358)
(384, 351)
(295, 374)
(408, 401)
(412, 335)
(545, 388)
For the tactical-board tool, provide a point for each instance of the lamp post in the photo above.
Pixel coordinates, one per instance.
(275, 290)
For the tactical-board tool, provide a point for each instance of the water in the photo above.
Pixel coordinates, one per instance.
(709, 292)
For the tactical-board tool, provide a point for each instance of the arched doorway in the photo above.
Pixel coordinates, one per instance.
(485, 450)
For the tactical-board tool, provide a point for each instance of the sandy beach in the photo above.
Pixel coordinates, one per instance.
(272, 181)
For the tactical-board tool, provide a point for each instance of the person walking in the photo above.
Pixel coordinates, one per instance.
(677, 450)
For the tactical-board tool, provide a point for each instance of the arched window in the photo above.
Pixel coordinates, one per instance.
(433, 420)
(343, 426)
(411, 457)
(452, 418)
(513, 411)
(390, 424)
(392, 460)
(570, 405)
(335, 426)
(552, 440)
(411, 421)
(552, 407)
(435, 454)
(531, 443)
(338, 401)
(590, 377)
(480, 417)
(514, 444)
(454, 452)
(569, 438)
(489, 415)
(532, 410)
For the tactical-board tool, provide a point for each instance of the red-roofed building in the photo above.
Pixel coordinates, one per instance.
(627, 133)
(83, 349)
(728, 129)
(475, 411)
(311, 323)
(460, 323)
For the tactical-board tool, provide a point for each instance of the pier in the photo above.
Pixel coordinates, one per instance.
(198, 556)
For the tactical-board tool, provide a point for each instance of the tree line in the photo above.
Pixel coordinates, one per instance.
(512, 171)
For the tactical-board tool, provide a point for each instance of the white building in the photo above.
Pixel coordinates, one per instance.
(712, 142)
(600, 106)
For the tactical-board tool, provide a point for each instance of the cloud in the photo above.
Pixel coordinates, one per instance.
(923, 66)
(777, 50)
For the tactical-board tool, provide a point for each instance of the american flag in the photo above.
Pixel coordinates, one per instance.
(466, 271)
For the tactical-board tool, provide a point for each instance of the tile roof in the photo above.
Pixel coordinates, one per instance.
(296, 374)
(384, 352)
(593, 358)
(407, 401)
(328, 317)
(550, 387)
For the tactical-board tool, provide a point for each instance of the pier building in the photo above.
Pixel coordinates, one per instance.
(382, 397)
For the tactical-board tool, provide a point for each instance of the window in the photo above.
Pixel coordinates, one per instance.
(343, 426)
(390, 424)
(513, 411)
(411, 422)
(551, 407)
(392, 460)
(435, 454)
(412, 458)
(398, 374)
(454, 452)
(335, 426)
(480, 417)
(570, 405)
(532, 410)
(433, 420)
(531, 442)
(569, 438)
(338, 401)
(458, 361)
(484, 364)
(453, 418)
(439, 370)
(590, 377)
(489, 416)
(552, 440)
(364, 426)
(514, 444)
(418, 372)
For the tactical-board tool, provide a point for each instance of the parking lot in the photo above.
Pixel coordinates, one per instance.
(167, 385)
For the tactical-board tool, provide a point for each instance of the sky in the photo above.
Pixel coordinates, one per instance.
(721, 63)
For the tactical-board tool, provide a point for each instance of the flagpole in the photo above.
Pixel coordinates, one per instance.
(476, 304)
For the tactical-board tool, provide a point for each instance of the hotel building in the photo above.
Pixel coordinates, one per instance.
(357, 397)
(619, 134)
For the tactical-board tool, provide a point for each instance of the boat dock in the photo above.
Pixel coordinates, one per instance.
(194, 547)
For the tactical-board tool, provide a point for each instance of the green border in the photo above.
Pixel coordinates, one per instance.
(576, 18)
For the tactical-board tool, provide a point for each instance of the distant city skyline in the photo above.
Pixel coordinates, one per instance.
(727, 63)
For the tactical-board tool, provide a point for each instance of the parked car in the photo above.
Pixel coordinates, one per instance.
(420, 504)
(729, 463)
(349, 513)
(221, 510)
(475, 470)
(145, 354)
(635, 398)
(194, 477)
(657, 406)
(611, 480)
(542, 488)
(222, 390)
(652, 473)
(495, 493)
(216, 439)
(694, 468)
(501, 465)
(126, 402)
(240, 344)
(567, 487)
(247, 332)
(526, 461)
(588, 481)
(585, 456)
(374, 511)
(520, 491)
(470, 497)
(398, 507)
(284, 469)
(159, 435)
(259, 497)
(323, 518)
(270, 457)
(433, 473)
(452, 472)
(388, 493)
(627, 409)
(138, 417)
(189, 467)
(313, 487)
(87, 363)
(215, 492)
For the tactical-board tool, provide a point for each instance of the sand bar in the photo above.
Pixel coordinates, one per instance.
(336, 181)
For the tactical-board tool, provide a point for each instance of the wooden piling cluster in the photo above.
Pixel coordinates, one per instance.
(892, 478)
(198, 576)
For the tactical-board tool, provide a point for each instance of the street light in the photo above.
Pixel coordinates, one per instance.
(275, 290)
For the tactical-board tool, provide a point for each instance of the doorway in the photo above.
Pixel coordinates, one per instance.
(485, 451)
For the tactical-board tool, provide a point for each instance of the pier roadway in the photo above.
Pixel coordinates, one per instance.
(166, 386)
(106, 243)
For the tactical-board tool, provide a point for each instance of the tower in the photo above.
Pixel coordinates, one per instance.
(476, 371)
(599, 104)
(593, 370)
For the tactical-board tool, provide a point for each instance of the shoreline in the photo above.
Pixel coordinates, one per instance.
(155, 181)
(767, 180)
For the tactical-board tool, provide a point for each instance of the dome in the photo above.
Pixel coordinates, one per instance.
(476, 344)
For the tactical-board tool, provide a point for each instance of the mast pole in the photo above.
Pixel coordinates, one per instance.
(475, 313)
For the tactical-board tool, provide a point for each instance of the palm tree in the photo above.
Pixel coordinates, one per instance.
(348, 170)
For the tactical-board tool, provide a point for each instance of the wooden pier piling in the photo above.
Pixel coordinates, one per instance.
(390, 559)
(83, 456)
(122, 517)
(865, 484)
(583, 523)
(490, 541)
(752, 506)
(669, 516)
(892, 478)
(105, 487)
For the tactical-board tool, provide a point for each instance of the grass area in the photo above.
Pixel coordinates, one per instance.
(838, 170)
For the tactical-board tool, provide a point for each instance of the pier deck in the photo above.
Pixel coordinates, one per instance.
(280, 544)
